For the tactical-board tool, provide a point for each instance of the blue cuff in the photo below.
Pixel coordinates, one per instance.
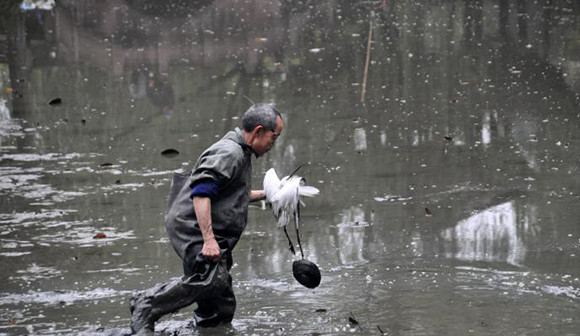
(205, 189)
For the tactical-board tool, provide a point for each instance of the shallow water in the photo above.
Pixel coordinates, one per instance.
(448, 200)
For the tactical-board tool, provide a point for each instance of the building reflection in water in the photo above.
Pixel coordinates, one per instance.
(4, 111)
(360, 140)
(486, 129)
(350, 235)
(497, 234)
(6, 124)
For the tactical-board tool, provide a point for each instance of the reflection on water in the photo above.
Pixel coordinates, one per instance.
(37, 4)
(4, 111)
(350, 235)
(496, 234)
(360, 140)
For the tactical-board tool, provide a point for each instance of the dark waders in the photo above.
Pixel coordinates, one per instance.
(220, 307)
(208, 284)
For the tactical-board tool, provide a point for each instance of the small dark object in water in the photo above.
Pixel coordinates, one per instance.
(381, 330)
(306, 273)
(83, 121)
(448, 138)
(321, 310)
(170, 153)
(118, 182)
(100, 235)
(55, 102)
(106, 164)
(428, 212)
(352, 320)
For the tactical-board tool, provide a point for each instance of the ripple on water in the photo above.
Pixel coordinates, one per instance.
(22, 217)
(84, 236)
(14, 254)
(35, 272)
(59, 297)
(264, 284)
(521, 282)
(569, 291)
(41, 157)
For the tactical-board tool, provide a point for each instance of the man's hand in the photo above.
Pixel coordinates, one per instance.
(211, 250)
(257, 195)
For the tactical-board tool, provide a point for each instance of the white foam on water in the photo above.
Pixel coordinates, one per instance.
(569, 291)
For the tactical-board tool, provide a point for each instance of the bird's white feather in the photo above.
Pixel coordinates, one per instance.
(271, 184)
(286, 194)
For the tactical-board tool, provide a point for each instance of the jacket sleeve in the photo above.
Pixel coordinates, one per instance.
(218, 165)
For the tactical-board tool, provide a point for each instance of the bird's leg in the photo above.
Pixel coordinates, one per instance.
(297, 225)
(290, 242)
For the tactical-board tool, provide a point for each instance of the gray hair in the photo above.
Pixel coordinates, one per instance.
(260, 114)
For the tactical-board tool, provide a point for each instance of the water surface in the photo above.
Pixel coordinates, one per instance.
(449, 196)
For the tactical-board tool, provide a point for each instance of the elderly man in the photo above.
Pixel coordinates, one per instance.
(205, 222)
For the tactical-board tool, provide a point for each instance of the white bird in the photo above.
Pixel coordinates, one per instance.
(286, 195)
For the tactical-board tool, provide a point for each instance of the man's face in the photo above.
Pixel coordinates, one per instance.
(266, 138)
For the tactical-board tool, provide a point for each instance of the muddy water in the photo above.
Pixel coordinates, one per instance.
(449, 198)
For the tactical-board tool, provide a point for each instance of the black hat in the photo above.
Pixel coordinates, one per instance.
(306, 273)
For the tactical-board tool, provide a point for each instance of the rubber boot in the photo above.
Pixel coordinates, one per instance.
(216, 310)
(149, 306)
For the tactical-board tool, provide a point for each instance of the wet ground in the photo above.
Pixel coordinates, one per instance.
(449, 196)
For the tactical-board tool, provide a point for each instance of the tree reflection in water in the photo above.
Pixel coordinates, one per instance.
(497, 234)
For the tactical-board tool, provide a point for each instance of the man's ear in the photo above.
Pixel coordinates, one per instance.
(259, 129)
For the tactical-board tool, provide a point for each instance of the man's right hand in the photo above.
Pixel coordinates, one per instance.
(211, 250)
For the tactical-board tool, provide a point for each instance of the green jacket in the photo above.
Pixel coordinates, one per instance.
(227, 162)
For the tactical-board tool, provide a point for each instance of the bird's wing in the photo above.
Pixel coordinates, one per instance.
(284, 195)
(287, 195)
(271, 184)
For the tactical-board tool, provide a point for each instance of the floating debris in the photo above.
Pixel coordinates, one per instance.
(352, 320)
(321, 310)
(170, 153)
(100, 235)
(381, 330)
(106, 164)
(428, 213)
(55, 102)
(448, 138)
